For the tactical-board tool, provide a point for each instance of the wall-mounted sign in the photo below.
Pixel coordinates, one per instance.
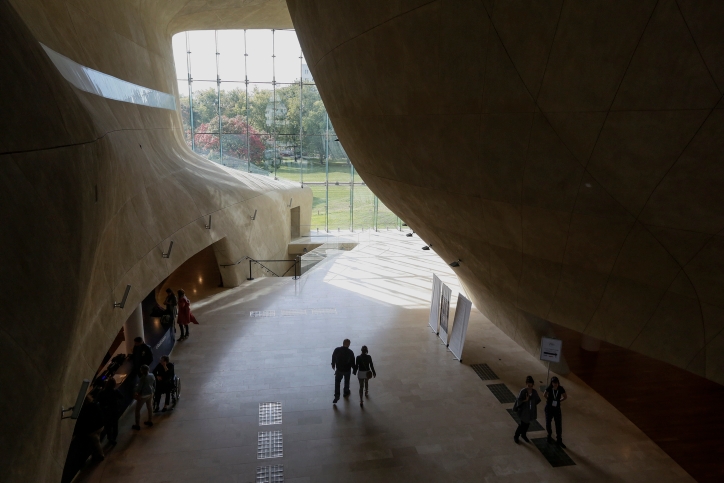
(550, 349)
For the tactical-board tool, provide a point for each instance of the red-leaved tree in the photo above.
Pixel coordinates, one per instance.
(235, 132)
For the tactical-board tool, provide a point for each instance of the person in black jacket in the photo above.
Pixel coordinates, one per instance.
(342, 363)
(365, 370)
(109, 399)
(89, 426)
(164, 373)
(142, 356)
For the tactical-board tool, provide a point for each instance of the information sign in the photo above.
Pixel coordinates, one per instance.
(550, 349)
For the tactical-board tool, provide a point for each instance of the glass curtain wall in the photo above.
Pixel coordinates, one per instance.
(249, 102)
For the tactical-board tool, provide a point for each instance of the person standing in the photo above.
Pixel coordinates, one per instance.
(171, 306)
(555, 395)
(89, 426)
(164, 374)
(342, 363)
(108, 399)
(365, 370)
(142, 354)
(143, 392)
(527, 407)
(185, 317)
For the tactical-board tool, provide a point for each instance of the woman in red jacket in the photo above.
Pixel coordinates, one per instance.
(185, 317)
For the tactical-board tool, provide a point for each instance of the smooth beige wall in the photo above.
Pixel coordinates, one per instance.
(569, 153)
(67, 255)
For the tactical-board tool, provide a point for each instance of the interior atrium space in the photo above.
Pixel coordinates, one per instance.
(313, 241)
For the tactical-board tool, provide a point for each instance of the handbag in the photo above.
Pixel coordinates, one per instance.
(369, 374)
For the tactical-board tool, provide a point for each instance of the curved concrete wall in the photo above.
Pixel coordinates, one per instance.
(569, 153)
(93, 190)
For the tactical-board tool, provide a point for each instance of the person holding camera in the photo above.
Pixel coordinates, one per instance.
(365, 370)
(555, 395)
(526, 406)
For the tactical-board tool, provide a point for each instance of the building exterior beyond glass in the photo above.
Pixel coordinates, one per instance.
(248, 101)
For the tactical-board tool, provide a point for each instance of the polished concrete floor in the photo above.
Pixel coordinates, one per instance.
(428, 417)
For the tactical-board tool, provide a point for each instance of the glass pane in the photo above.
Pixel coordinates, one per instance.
(313, 158)
(338, 207)
(231, 56)
(319, 206)
(386, 219)
(288, 157)
(287, 109)
(233, 105)
(205, 100)
(179, 55)
(363, 208)
(185, 113)
(259, 62)
(203, 55)
(340, 168)
(261, 107)
(287, 52)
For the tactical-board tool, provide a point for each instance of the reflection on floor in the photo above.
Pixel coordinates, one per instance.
(686, 420)
(428, 418)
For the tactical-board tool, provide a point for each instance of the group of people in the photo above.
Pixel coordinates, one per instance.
(344, 364)
(526, 405)
(179, 309)
(151, 386)
(100, 412)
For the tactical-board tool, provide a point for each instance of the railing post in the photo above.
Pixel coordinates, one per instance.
(250, 277)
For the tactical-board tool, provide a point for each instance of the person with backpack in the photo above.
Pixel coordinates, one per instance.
(142, 393)
(526, 405)
(555, 395)
(342, 364)
(142, 355)
(365, 370)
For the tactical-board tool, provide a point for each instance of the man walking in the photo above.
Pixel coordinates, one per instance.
(342, 363)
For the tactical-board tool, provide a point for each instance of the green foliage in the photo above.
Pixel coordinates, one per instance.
(285, 120)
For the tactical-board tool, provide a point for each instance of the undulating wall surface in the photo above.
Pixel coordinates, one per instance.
(93, 190)
(570, 153)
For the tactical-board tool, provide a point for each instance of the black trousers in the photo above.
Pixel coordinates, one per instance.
(110, 427)
(555, 415)
(522, 429)
(338, 379)
(184, 330)
(162, 388)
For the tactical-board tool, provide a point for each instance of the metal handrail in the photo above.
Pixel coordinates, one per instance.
(258, 262)
(268, 269)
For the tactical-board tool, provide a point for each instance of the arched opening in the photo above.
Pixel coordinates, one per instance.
(200, 277)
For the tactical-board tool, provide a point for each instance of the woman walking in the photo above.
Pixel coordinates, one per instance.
(526, 406)
(365, 370)
(555, 395)
(185, 317)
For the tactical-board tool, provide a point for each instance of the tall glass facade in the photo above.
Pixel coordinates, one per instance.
(248, 101)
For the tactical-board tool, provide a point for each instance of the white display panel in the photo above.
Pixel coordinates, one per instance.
(444, 318)
(435, 303)
(460, 326)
